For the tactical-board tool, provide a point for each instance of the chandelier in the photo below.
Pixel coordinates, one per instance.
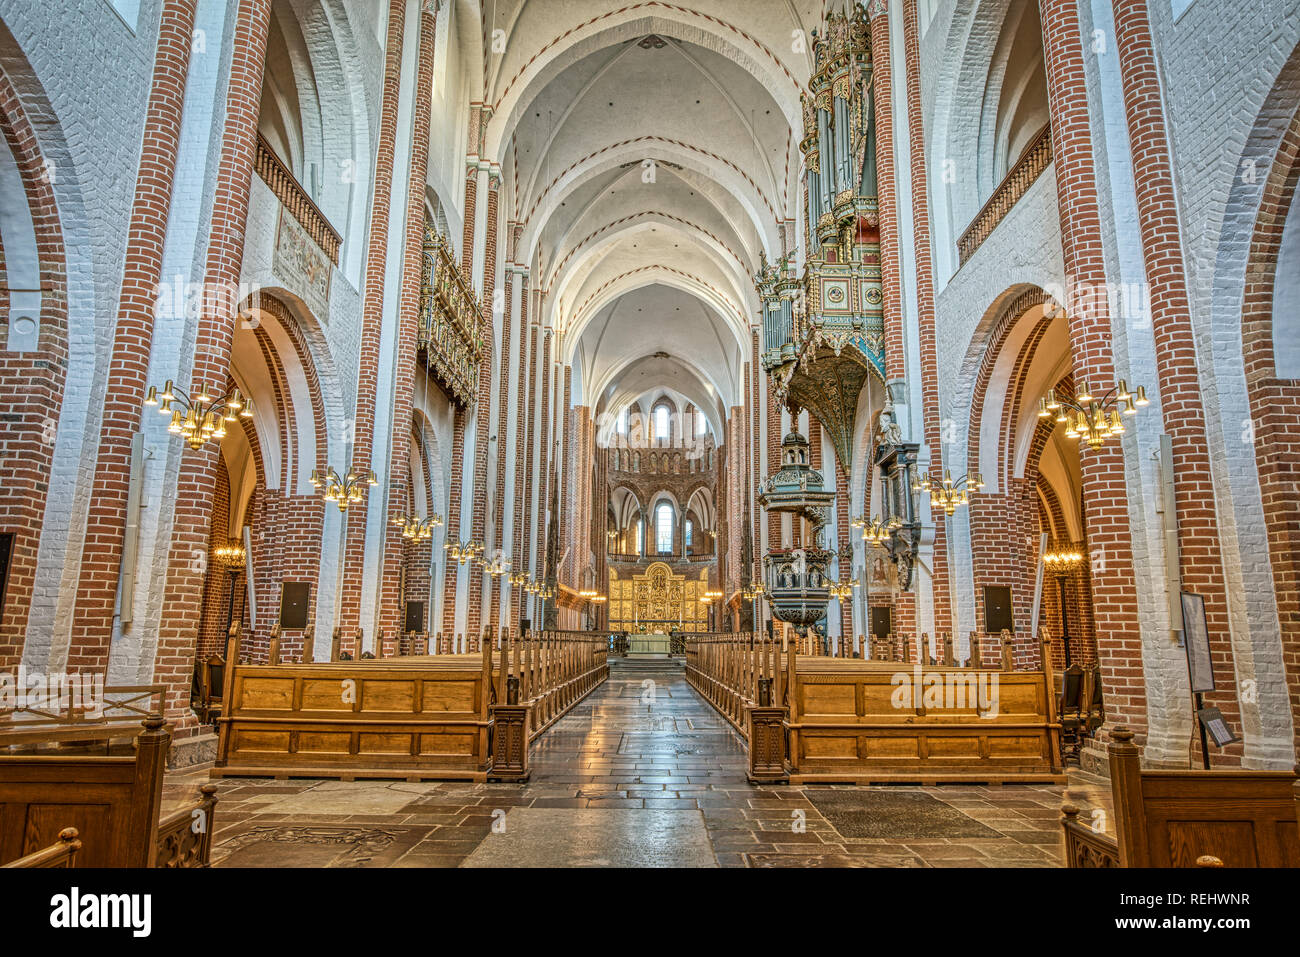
(950, 495)
(201, 418)
(843, 590)
(710, 595)
(462, 552)
(1062, 559)
(496, 567)
(417, 529)
(1090, 419)
(231, 554)
(876, 533)
(343, 491)
(753, 591)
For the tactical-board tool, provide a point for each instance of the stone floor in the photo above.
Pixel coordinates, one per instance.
(642, 773)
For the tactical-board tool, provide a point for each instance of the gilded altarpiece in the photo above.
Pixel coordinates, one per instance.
(658, 601)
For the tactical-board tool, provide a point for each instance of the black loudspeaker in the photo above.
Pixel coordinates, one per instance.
(294, 599)
(882, 621)
(415, 616)
(997, 609)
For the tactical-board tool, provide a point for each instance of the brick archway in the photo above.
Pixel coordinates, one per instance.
(31, 382)
(1273, 404)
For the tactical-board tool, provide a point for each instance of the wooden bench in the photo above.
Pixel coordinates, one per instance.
(439, 717)
(113, 802)
(1189, 818)
(812, 719)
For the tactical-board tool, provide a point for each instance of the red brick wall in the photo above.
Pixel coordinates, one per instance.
(891, 285)
(372, 308)
(183, 592)
(925, 305)
(31, 384)
(1119, 640)
(1275, 408)
(1175, 348)
(483, 414)
(389, 621)
(101, 557)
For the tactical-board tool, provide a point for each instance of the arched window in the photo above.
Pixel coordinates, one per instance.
(664, 528)
(700, 423)
(690, 528)
(640, 538)
(659, 424)
(622, 422)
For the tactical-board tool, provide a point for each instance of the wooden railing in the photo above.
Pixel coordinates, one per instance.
(982, 650)
(294, 198)
(60, 855)
(1036, 158)
(1084, 846)
(122, 709)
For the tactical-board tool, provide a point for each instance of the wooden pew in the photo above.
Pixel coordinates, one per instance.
(439, 717)
(113, 802)
(62, 854)
(1189, 818)
(835, 720)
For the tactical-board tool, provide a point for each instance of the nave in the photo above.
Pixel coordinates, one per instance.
(641, 773)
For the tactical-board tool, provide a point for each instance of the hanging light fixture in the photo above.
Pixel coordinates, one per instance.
(1062, 559)
(462, 552)
(1090, 419)
(949, 495)
(877, 533)
(230, 554)
(417, 529)
(343, 491)
(201, 418)
(843, 590)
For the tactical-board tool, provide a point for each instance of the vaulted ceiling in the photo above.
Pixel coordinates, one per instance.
(650, 154)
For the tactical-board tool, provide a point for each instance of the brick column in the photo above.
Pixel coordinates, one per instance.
(483, 414)
(101, 557)
(544, 453)
(773, 463)
(391, 611)
(183, 591)
(1119, 639)
(503, 418)
(925, 307)
(565, 420)
(1175, 347)
(755, 456)
(451, 572)
(372, 314)
(890, 270)
(525, 530)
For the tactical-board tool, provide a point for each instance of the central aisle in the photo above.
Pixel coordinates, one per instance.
(643, 752)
